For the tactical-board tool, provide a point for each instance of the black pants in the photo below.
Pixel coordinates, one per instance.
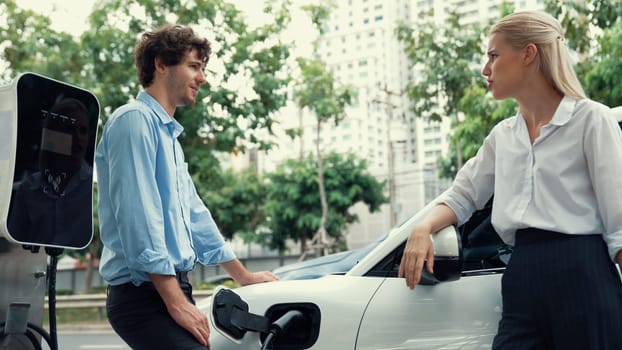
(138, 315)
(560, 292)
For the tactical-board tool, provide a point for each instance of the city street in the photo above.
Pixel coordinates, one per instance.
(102, 340)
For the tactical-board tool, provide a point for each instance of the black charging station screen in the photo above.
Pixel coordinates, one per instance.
(52, 198)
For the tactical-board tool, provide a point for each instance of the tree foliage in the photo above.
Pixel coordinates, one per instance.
(594, 30)
(238, 204)
(480, 114)
(445, 60)
(603, 81)
(27, 44)
(580, 19)
(292, 202)
(248, 77)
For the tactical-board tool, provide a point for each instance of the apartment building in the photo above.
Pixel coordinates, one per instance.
(400, 147)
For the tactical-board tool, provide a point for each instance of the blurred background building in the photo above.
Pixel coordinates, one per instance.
(401, 148)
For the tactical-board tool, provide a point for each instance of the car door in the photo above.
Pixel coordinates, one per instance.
(459, 314)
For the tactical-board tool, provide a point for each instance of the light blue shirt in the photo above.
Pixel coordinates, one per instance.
(567, 181)
(151, 218)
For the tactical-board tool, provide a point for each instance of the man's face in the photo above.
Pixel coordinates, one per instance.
(185, 78)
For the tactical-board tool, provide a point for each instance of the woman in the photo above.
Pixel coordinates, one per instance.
(554, 171)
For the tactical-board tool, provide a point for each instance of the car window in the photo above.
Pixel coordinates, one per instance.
(482, 248)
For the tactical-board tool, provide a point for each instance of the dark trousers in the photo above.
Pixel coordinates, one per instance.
(560, 292)
(138, 315)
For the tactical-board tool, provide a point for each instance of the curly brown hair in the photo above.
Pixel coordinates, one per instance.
(170, 43)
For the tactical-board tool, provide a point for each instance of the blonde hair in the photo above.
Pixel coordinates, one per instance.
(544, 31)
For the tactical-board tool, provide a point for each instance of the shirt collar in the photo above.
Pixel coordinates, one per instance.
(564, 111)
(562, 115)
(165, 119)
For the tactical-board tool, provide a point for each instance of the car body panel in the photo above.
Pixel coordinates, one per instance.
(338, 298)
(461, 314)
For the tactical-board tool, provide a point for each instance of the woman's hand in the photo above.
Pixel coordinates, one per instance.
(418, 249)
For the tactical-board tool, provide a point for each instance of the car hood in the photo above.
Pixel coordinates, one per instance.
(328, 259)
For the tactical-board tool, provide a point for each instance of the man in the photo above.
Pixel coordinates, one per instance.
(153, 224)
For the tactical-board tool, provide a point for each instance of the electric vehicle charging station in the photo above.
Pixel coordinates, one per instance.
(48, 131)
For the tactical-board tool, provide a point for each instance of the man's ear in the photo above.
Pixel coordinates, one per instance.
(530, 52)
(159, 66)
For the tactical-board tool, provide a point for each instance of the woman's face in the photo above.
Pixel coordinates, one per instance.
(504, 70)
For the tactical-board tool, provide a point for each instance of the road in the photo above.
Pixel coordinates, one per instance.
(103, 340)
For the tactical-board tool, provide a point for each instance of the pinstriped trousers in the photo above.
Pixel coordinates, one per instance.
(560, 292)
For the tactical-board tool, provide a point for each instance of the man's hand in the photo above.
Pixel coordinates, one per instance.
(181, 309)
(619, 258)
(418, 249)
(244, 277)
(191, 319)
(258, 277)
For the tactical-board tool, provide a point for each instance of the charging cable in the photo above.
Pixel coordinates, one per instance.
(281, 325)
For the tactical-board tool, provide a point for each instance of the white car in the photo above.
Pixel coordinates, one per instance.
(369, 307)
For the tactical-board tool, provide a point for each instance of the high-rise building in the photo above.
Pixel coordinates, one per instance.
(361, 48)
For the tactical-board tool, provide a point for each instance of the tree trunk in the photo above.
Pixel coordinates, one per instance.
(321, 232)
(301, 136)
(303, 244)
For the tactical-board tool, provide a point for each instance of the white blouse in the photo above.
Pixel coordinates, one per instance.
(569, 180)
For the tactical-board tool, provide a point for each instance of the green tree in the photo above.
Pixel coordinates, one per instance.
(480, 114)
(451, 83)
(603, 81)
(581, 18)
(446, 60)
(90, 255)
(28, 44)
(238, 204)
(226, 117)
(593, 30)
(318, 91)
(445, 57)
(291, 204)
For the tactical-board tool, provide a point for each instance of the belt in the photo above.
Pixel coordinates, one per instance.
(532, 235)
(182, 277)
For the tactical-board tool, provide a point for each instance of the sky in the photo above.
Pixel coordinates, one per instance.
(77, 12)
(71, 16)
(67, 16)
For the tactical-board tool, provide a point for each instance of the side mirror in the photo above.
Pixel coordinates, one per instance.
(447, 259)
(447, 256)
